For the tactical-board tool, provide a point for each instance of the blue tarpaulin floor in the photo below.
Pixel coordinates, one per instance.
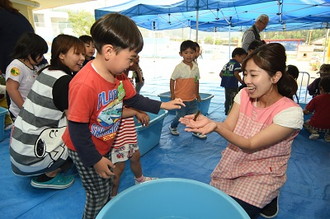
(306, 193)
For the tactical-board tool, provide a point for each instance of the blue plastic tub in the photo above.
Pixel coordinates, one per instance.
(203, 105)
(172, 198)
(149, 136)
(3, 112)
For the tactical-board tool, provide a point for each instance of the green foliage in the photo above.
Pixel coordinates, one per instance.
(81, 22)
(306, 35)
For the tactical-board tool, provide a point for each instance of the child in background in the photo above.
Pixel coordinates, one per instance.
(22, 71)
(260, 129)
(198, 52)
(320, 107)
(96, 98)
(313, 88)
(125, 146)
(36, 146)
(184, 84)
(254, 45)
(89, 48)
(137, 74)
(230, 77)
(294, 72)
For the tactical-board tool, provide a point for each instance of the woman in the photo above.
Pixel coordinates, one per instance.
(260, 129)
(36, 146)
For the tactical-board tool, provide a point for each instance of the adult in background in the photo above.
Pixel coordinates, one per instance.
(13, 24)
(253, 33)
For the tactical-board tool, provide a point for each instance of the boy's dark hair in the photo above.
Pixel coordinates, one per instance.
(255, 44)
(293, 71)
(30, 44)
(119, 31)
(325, 84)
(86, 39)
(187, 44)
(238, 51)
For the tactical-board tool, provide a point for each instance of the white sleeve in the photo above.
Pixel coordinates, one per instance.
(176, 73)
(237, 98)
(292, 117)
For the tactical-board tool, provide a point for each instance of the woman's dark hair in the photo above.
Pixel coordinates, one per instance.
(30, 44)
(271, 58)
(119, 31)
(61, 45)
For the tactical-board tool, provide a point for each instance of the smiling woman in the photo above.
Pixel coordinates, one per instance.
(32, 150)
(260, 129)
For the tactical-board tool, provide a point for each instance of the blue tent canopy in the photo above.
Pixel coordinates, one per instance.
(233, 15)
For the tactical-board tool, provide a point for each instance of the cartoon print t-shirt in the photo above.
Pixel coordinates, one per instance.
(99, 103)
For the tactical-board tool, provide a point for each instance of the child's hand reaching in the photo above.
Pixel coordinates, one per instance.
(173, 104)
(200, 124)
(143, 118)
(103, 168)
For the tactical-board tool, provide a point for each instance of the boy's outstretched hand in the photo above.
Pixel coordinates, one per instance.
(103, 168)
(200, 124)
(177, 103)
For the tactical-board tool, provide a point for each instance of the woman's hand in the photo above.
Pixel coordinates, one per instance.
(201, 124)
(103, 168)
(177, 103)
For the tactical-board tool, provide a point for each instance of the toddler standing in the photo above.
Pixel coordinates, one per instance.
(230, 77)
(184, 84)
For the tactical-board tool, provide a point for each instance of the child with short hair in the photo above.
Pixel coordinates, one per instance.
(198, 51)
(89, 48)
(22, 71)
(294, 72)
(230, 76)
(319, 106)
(137, 74)
(313, 88)
(96, 98)
(184, 84)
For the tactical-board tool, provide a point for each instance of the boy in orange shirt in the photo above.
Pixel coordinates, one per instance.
(184, 84)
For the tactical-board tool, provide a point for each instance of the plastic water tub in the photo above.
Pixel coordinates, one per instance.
(203, 105)
(172, 198)
(149, 136)
(3, 112)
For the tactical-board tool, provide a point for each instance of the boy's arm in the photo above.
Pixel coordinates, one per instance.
(82, 140)
(153, 106)
(238, 77)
